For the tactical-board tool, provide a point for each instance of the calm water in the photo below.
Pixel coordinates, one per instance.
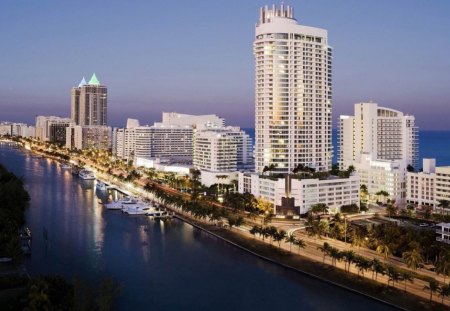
(162, 266)
(432, 144)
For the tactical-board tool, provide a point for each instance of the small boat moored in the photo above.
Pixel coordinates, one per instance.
(101, 186)
(86, 175)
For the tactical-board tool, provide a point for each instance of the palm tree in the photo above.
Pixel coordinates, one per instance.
(393, 274)
(377, 267)
(444, 291)
(442, 265)
(280, 236)
(335, 255)
(413, 259)
(382, 193)
(432, 286)
(290, 239)
(319, 208)
(300, 244)
(383, 249)
(391, 209)
(362, 264)
(349, 257)
(254, 230)
(325, 249)
(407, 276)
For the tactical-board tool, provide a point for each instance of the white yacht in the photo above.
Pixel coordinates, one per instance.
(86, 174)
(66, 166)
(138, 209)
(122, 202)
(101, 186)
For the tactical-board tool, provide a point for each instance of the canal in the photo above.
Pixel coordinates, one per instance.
(161, 265)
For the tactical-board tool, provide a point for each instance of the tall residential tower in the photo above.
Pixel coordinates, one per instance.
(89, 103)
(293, 93)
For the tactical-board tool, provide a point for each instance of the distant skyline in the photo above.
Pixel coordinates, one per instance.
(196, 57)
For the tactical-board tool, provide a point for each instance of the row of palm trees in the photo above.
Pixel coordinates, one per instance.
(200, 209)
(394, 274)
(278, 236)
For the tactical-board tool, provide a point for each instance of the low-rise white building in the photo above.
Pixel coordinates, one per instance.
(443, 232)
(429, 187)
(421, 186)
(16, 129)
(294, 196)
(88, 137)
(382, 175)
(442, 183)
(220, 152)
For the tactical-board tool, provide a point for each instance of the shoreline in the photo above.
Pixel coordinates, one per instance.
(272, 261)
(271, 254)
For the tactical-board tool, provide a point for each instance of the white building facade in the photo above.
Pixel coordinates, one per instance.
(292, 196)
(385, 133)
(421, 186)
(380, 143)
(293, 93)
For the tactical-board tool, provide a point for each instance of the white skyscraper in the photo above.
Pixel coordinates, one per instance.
(293, 93)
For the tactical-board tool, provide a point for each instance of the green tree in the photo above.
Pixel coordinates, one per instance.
(384, 249)
(442, 265)
(432, 286)
(413, 259)
(444, 291)
(377, 268)
(300, 244)
(406, 276)
(279, 236)
(290, 239)
(393, 274)
(325, 249)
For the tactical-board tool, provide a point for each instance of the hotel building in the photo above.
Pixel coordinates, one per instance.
(293, 93)
(380, 143)
(221, 152)
(170, 140)
(293, 105)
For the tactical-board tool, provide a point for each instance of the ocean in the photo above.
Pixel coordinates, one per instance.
(432, 144)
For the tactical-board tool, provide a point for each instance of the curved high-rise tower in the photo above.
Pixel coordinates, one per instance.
(293, 93)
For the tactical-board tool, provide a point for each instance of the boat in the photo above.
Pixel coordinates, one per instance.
(122, 202)
(101, 186)
(66, 166)
(138, 209)
(86, 175)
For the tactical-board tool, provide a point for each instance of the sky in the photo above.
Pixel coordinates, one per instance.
(196, 56)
